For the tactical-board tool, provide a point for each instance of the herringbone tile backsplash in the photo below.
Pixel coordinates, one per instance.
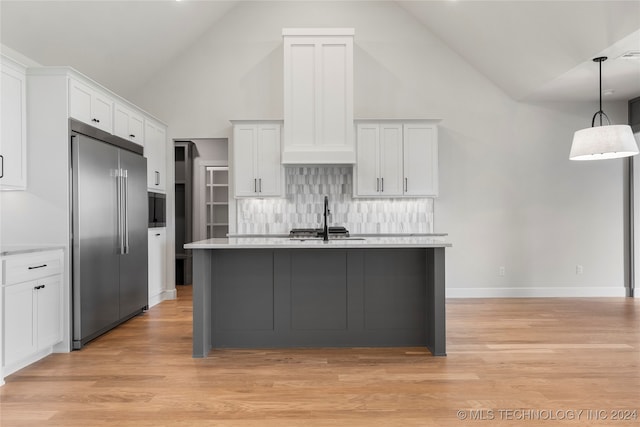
(305, 188)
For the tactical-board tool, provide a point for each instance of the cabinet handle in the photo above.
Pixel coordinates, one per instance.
(382, 184)
(1, 166)
(38, 287)
(157, 234)
(37, 266)
(259, 185)
(132, 136)
(377, 185)
(406, 184)
(95, 120)
(255, 185)
(157, 178)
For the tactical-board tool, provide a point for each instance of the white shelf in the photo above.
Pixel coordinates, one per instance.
(217, 201)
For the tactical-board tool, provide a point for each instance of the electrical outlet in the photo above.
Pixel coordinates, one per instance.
(501, 271)
(579, 269)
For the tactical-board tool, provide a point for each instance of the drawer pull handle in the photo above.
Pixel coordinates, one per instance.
(37, 266)
(39, 287)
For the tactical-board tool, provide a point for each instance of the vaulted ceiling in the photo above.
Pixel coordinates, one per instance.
(532, 50)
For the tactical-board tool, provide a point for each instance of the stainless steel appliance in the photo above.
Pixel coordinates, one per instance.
(109, 204)
(157, 210)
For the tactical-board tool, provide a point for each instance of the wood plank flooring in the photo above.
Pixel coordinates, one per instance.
(535, 362)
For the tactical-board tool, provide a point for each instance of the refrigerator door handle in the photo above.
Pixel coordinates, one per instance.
(119, 209)
(126, 211)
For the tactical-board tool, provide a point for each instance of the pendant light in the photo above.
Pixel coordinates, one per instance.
(603, 141)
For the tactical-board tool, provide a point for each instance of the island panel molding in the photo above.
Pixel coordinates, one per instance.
(373, 292)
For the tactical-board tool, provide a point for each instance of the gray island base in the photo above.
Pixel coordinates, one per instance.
(274, 293)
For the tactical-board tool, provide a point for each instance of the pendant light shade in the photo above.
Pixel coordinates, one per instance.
(604, 141)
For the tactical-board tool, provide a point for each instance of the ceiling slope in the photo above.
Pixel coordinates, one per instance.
(524, 46)
(120, 44)
(532, 50)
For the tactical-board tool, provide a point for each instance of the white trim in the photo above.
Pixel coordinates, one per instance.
(169, 294)
(540, 292)
(318, 31)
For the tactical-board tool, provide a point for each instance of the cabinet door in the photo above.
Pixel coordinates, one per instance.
(19, 324)
(136, 128)
(155, 152)
(48, 312)
(157, 261)
(269, 168)
(128, 125)
(391, 159)
(13, 145)
(368, 176)
(80, 101)
(102, 112)
(90, 106)
(420, 160)
(245, 139)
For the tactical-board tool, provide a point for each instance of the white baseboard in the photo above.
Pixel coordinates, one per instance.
(543, 292)
(164, 295)
(170, 294)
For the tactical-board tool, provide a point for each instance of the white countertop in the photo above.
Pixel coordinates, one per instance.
(349, 242)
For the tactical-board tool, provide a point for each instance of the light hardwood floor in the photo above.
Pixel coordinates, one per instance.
(510, 362)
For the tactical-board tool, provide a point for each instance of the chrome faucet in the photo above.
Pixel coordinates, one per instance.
(327, 212)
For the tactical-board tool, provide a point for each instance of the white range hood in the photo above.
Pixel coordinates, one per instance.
(318, 96)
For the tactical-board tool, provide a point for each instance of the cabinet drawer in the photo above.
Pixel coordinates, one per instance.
(21, 268)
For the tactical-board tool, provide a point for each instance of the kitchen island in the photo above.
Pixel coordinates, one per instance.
(347, 292)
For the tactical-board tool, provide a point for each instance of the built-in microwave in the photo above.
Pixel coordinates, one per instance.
(157, 210)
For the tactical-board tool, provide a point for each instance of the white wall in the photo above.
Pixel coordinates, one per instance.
(509, 195)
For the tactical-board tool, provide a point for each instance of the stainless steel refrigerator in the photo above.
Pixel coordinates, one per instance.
(109, 204)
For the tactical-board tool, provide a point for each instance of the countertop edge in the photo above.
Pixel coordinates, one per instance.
(17, 250)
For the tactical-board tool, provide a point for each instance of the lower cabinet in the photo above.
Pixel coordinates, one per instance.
(157, 264)
(32, 312)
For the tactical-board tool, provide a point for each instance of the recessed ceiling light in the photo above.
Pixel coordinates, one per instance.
(608, 92)
(631, 54)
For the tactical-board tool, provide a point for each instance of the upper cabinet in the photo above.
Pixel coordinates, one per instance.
(128, 124)
(90, 106)
(256, 159)
(420, 159)
(396, 159)
(13, 145)
(155, 150)
(318, 96)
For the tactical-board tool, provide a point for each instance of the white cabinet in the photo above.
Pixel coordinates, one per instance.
(420, 159)
(256, 159)
(13, 124)
(128, 124)
(396, 159)
(90, 105)
(157, 261)
(318, 96)
(379, 164)
(32, 307)
(155, 150)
